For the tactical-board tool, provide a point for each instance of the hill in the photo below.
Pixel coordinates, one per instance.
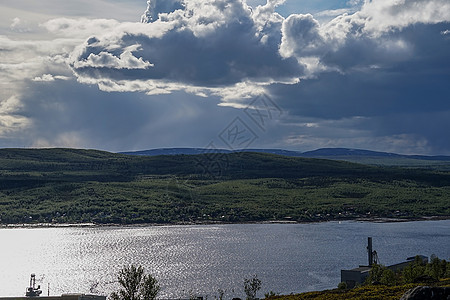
(346, 154)
(76, 185)
(381, 158)
(196, 151)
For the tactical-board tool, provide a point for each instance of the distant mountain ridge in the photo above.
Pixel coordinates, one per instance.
(361, 156)
(195, 151)
(347, 152)
(319, 153)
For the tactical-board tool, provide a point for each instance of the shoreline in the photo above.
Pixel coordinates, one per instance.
(95, 225)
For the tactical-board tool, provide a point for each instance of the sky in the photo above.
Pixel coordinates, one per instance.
(122, 75)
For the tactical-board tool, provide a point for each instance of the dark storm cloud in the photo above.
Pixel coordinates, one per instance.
(384, 96)
(228, 57)
(223, 43)
(418, 83)
(376, 78)
(118, 121)
(219, 47)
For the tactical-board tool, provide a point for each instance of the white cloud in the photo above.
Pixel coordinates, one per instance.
(301, 36)
(376, 18)
(334, 12)
(210, 44)
(79, 28)
(10, 119)
(10, 105)
(199, 45)
(39, 11)
(25, 60)
(19, 26)
(366, 38)
(50, 78)
(268, 22)
(126, 60)
(156, 7)
(384, 15)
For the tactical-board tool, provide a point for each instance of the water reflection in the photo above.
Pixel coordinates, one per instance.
(201, 259)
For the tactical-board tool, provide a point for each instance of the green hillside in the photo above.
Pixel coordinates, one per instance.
(70, 185)
(406, 162)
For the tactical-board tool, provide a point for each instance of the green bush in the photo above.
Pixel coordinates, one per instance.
(135, 285)
(342, 286)
(375, 274)
(388, 277)
(413, 271)
(438, 268)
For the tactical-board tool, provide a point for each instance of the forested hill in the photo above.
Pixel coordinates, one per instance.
(57, 162)
(345, 154)
(93, 163)
(76, 185)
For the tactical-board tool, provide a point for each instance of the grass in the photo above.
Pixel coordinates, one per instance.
(367, 292)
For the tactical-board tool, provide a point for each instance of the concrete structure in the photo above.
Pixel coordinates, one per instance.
(358, 275)
(409, 260)
(354, 276)
(62, 297)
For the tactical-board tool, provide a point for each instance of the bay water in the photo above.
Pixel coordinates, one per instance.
(199, 260)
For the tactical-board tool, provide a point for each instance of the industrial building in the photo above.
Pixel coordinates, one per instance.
(358, 275)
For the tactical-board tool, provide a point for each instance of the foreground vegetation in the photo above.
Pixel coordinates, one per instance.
(366, 292)
(74, 186)
(385, 284)
(417, 271)
(135, 285)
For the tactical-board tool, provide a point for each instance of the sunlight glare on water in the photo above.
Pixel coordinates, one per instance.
(198, 260)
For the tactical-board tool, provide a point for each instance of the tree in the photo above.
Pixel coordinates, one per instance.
(413, 270)
(388, 277)
(375, 273)
(251, 287)
(136, 285)
(436, 268)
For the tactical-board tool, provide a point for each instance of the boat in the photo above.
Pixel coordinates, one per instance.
(32, 291)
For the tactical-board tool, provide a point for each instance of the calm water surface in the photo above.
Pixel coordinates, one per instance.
(201, 259)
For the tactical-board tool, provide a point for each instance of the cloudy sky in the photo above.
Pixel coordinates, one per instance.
(125, 75)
